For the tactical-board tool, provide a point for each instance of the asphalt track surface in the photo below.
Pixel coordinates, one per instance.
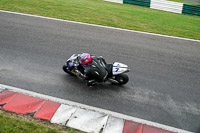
(197, 1)
(164, 84)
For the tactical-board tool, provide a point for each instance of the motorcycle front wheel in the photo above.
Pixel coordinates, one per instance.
(67, 71)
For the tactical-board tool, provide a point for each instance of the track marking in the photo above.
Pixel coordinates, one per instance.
(87, 107)
(95, 25)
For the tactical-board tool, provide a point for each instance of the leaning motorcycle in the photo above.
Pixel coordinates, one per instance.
(115, 71)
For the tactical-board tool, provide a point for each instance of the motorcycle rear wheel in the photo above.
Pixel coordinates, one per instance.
(122, 79)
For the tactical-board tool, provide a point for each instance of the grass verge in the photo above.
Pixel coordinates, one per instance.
(187, 2)
(14, 123)
(111, 14)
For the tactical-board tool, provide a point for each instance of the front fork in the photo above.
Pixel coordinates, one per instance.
(74, 70)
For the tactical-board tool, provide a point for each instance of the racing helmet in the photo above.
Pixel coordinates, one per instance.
(85, 58)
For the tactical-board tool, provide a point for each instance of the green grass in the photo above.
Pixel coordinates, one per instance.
(187, 2)
(111, 14)
(11, 123)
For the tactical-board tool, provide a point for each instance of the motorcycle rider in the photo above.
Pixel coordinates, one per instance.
(89, 67)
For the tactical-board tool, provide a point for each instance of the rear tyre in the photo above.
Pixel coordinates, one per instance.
(67, 71)
(122, 79)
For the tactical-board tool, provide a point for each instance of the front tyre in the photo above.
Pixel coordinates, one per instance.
(67, 71)
(122, 79)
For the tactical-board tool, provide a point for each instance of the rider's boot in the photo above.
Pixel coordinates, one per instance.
(91, 83)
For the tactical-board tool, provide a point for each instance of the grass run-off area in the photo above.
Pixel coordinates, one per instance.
(187, 2)
(13, 123)
(111, 14)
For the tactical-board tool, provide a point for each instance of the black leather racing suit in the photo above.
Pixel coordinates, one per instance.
(94, 72)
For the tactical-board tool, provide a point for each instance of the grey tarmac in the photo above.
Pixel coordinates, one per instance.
(164, 84)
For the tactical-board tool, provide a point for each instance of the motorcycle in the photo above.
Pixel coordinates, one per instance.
(115, 72)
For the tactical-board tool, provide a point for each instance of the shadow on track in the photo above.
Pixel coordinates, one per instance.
(79, 83)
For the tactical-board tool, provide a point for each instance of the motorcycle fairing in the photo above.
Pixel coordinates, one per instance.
(74, 56)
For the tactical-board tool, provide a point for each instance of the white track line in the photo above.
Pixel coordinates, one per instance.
(68, 21)
(115, 114)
